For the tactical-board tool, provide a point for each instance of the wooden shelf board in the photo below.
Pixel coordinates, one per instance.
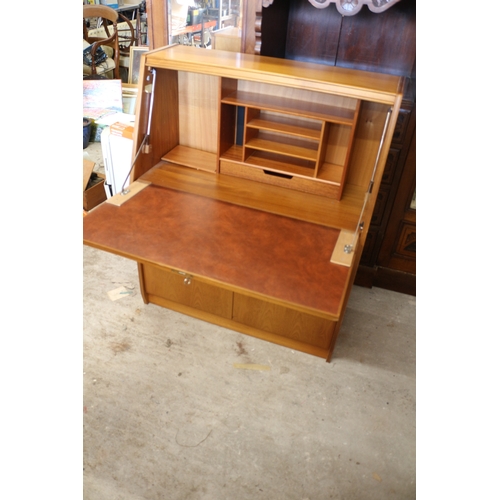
(283, 149)
(333, 114)
(234, 153)
(330, 172)
(270, 161)
(194, 158)
(286, 128)
(346, 82)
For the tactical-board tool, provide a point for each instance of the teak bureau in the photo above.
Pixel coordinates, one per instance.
(253, 187)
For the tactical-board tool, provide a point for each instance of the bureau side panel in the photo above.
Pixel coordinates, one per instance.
(198, 111)
(164, 132)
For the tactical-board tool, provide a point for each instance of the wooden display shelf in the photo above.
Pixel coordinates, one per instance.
(288, 106)
(194, 158)
(283, 148)
(285, 127)
(277, 131)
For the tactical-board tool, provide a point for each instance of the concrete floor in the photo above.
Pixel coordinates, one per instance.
(170, 414)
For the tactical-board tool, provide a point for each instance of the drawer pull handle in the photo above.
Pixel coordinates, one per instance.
(187, 281)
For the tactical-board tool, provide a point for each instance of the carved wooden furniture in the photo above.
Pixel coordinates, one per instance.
(108, 15)
(252, 179)
(352, 7)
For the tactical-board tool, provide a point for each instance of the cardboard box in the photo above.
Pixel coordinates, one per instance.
(227, 39)
(122, 130)
(94, 194)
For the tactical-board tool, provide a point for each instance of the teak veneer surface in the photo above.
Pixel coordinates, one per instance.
(352, 83)
(245, 249)
(342, 214)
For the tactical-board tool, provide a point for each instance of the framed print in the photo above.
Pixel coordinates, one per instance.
(135, 60)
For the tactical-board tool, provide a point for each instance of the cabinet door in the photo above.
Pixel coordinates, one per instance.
(173, 286)
(399, 251)
(283, 321)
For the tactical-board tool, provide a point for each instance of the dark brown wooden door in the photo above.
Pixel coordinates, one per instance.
(399, 247)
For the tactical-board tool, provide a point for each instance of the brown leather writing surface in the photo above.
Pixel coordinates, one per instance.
(264, 253)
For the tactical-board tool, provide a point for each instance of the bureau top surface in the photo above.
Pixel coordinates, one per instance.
(245, 249)
(319, 77)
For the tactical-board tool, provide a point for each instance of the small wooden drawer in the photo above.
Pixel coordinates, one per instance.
(283, 321)
(278, 179)
(183, 289)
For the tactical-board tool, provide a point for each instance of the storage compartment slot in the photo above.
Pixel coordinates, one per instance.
(198, 109)
(285, 125)
(194, 158)
(274, 143)
(288, 132)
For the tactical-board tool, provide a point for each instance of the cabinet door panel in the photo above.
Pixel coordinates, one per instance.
(170, 285)
(283, 321)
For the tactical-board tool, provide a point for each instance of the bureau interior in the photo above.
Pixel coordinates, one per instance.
(199, 119)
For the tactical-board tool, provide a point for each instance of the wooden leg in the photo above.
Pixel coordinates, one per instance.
(141, 282)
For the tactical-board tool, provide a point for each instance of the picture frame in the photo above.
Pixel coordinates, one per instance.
(135, 60)
(129, 97)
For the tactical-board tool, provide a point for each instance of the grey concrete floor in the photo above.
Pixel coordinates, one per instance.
(93, 152)
(170, 414)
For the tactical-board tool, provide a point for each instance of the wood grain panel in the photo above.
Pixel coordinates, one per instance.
(171, 285)
(164, 120)
(240, 327)
(368, 134)
(198, 111)
(343, 214)
(256, 92)
(293, 74)
(295, 182)
(384, 42)
(312, 34)
(283, 321)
